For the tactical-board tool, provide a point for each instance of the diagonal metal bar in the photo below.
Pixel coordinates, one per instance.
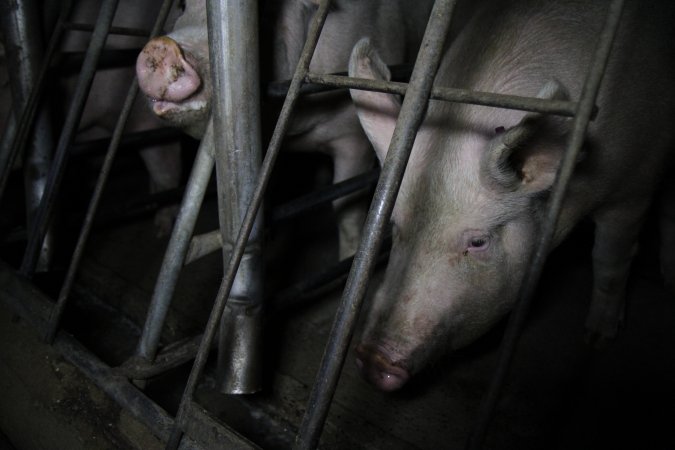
(177, 249)
(56, 172)
(517, 319)
(409, 121)
(64, 293)
(249, 219)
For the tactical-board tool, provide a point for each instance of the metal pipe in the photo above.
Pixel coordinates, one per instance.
(23, 41)
(325, 195)
(124, 31)
(57, 170)
(129, 141)
(529, 283)
(235, 111)
(8, 135)
(64, 293)
(559, 107)
(25, 122)
(409, 120)
(176, 251)
(249, 220)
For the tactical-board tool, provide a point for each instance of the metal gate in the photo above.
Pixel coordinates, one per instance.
(239, 290)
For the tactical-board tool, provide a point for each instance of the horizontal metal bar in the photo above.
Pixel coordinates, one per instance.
(113, 30)
(558, 107)
(139, 368)
(69, 63)
(139, 139)
(279, 89)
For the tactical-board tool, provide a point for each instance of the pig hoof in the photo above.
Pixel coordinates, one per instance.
(379, 370)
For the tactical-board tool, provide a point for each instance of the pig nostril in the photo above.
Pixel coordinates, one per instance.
(377, 367)
(164, 73)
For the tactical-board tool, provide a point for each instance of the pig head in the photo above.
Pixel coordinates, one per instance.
(473, 199)
(173, 71)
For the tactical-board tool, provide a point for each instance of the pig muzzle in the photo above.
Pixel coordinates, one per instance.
(163, 72)
(377, 366)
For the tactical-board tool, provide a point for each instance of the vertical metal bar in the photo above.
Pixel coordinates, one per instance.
(409, 120)
(25, 121)
(177, 248)
(23, 40)
(44, 213)
(8, 135)
(235, 109)
(250, 217)
(98, 190)
(517, 319)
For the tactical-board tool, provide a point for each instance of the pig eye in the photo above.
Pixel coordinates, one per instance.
(476, 243)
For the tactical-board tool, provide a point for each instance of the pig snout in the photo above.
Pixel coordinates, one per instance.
(163, 72)
(378, 367)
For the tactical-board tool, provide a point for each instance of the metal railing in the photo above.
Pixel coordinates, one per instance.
(417, 92)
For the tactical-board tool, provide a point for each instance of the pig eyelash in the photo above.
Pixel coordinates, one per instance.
(477, 244)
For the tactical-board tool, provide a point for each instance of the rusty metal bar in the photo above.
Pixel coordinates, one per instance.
(529, 283)
(46, 209)
(409, 120)
(251, 214)
(64, 293)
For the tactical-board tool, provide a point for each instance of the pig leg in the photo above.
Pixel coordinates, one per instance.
(352, 156)
(164, 166)
(667, 225)
(615, 245)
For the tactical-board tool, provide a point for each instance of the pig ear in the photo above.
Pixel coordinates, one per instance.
(377, 111)
(526, 157)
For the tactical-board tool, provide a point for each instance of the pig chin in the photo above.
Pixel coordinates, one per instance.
(191, 117)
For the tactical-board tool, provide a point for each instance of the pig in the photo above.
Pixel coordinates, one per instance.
(471, 205)
(103, 107)
(173, 71)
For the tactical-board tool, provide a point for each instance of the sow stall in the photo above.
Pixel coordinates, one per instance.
(237, 314)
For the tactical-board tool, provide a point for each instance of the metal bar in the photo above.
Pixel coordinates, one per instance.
(251, 213)
(30, 108)
(126, 31)
(8, 135)
(325, 195)
(64, 293)
(409, 120)
(279, 89)
(46, 209)
(559, 107)
(138, 139)
(176, 251)
(69, 63)
(529, 283)
(235, 111)
(21, 25)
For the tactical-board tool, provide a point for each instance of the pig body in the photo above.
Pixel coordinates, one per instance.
(108, 90)
(323, 122)
(472, 203)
